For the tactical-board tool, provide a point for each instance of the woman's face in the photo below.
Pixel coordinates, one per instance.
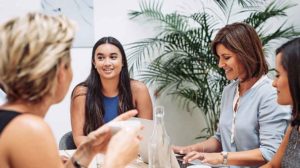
(108, 61)
(229, 62)
(281, 83)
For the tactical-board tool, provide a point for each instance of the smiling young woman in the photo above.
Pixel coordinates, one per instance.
(287, 83)
(107, 92)
(281, 83)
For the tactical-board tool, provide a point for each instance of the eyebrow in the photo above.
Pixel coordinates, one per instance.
(110, 54)
(224, 55)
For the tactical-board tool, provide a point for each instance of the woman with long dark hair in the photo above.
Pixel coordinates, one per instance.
(107, 92)
(287, 83)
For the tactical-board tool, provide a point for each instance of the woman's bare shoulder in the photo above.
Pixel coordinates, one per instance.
(138, 86)
(30, 123)
(26, 128)
(79, 91)
(30, 134)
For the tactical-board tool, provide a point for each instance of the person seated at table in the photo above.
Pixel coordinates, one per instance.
(107, 92)
(251, 124)
(287, 83)
(36, 72)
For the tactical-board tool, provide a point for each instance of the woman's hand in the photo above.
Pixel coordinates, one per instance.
(125, 116)
(182, 149)
(123, 148)
(210, 158)
(98, 140)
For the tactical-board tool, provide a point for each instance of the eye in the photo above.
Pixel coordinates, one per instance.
(227, 57)
(100, 57)
(113, 57)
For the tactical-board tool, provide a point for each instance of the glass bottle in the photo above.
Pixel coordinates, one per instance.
(159, 147)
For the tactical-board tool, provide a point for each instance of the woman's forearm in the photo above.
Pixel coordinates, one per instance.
(82, 157)
(208, 146)
(246, 158)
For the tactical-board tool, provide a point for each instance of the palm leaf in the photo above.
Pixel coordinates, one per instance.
(280, 33)
(256, 19)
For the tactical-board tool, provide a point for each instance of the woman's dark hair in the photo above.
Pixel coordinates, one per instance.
(243, 40)
(94, 110)
(290, 61)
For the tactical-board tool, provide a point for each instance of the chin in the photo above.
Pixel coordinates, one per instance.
(230, 78)
(281, 102)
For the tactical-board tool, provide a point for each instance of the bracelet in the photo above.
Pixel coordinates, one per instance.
(225, 157)
(76, 163)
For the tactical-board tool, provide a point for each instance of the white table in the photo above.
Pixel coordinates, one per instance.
(98, 161)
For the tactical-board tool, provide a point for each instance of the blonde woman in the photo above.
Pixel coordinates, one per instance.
(35, 73)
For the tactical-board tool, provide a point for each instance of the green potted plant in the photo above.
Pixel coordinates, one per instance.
(179, 58)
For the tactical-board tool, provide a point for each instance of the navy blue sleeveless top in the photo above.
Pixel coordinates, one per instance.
(5, 117)
(110, 107)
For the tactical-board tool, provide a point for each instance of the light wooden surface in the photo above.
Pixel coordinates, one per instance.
(97, 162)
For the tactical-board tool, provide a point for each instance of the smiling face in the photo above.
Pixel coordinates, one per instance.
(229, 62)
(281, 83)
(108, 61)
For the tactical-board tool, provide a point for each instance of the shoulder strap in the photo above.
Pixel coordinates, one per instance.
(6, 117)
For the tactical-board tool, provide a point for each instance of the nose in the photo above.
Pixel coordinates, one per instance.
(274, 84)
(221, 63)
(107, 61)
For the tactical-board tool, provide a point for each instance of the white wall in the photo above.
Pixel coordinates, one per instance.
(111, 19)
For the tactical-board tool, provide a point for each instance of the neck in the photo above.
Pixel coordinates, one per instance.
(38, 109)
(110, 87)
(246, 85)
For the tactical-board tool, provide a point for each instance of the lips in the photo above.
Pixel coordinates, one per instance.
(107, 70)
(227, 70)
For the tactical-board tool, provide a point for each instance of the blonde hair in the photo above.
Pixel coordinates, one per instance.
(31, 48)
